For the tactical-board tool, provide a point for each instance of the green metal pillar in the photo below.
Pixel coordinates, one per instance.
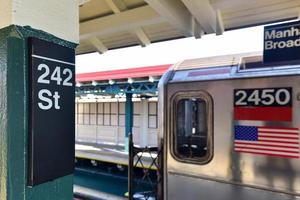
(128, 119)
(14, 119)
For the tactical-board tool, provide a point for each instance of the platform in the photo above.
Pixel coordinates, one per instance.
(109, 153)
(83, 193)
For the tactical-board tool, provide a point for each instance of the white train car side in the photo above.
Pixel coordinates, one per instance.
(230, 130)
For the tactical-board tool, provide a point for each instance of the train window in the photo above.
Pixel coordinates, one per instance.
(193, 128)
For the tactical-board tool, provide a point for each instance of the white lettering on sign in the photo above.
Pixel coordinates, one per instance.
(48, 99)
(270, 35)
(45, 99)
(276, 34)
(46, 69)
(69, 77)
(55, 76)
(262, 97)
(282, 44)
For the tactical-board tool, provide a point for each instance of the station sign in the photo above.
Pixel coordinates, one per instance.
(282, 42)
(51, 142)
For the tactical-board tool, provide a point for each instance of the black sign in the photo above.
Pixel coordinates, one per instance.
(263, 97)
(51, 111)
(282, 42)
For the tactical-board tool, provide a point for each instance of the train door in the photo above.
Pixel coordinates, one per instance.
(191, 117)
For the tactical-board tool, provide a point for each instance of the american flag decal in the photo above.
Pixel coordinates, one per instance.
(271, 141)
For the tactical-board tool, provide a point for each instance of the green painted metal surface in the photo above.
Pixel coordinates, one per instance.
(128, 114)
(128, 119)
(14, 119)
(118, 88)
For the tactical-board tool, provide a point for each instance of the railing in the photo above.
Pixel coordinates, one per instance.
(137, 157)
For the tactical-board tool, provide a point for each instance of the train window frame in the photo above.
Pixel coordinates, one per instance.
(206, 97)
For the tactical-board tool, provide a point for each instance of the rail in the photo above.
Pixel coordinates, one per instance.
(135, 189)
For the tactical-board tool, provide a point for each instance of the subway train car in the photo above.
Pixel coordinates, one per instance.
(229, 129)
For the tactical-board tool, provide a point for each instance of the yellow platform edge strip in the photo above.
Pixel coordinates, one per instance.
(114, 162)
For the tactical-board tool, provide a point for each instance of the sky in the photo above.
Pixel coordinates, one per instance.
(173, 51)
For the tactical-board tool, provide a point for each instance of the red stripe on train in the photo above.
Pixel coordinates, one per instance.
(263, 113)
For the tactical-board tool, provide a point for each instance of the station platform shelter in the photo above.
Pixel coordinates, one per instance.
(101, 106)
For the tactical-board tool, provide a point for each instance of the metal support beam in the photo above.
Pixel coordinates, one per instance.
(130, 167)
(176, 13)
(118, 88)
(128, 118)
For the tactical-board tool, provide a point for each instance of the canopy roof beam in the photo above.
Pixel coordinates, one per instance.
(205, 15)
(142, 36)
(124, 21)
(176, 13)
(101, 48)
(118, 6)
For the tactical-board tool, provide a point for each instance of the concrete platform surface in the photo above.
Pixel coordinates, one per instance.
(110, 153)
(83, 193)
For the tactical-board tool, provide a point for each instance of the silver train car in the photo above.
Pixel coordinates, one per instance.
(229, 129)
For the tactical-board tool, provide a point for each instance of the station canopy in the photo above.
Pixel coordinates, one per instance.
(110, 24)
(141, 80)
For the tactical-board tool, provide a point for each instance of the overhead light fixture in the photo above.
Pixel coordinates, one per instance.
(151, 79)
(130, 80)
(111, 82)
(94, 83)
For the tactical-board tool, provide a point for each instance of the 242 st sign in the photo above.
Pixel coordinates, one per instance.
(59, 76)
(51, 110)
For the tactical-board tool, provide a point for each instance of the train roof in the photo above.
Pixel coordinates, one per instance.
(246, 65)
(219, 61)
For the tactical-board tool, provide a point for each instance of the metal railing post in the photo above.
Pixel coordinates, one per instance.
(130, 167)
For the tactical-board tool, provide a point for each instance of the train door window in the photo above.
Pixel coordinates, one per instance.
(192, 135)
